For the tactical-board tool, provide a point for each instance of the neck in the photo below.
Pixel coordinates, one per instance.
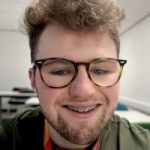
(62, 143)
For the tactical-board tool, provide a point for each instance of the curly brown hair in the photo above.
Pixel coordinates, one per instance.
(78, 15)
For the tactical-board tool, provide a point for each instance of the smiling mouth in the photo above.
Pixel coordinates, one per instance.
(82, 109)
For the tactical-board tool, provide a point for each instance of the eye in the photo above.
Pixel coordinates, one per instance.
(60, 72)
(100, 71)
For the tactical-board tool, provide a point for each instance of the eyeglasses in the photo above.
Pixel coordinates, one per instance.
(59, 73)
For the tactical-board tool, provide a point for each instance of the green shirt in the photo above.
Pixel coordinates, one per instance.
(25, 132)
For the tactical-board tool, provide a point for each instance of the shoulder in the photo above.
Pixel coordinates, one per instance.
(125, 125)
(131, 134)
(15, 127)
(26, 114)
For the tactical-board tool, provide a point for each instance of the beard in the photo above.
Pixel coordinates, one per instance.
(84, 134)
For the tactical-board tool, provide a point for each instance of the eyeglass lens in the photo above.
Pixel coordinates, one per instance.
(57, 73)
(60, 72)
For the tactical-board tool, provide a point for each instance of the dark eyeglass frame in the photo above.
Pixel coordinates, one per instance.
(40, 62)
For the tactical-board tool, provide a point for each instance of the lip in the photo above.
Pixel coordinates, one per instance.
(82, 115)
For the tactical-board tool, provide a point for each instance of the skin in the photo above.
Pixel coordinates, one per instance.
(69, 129)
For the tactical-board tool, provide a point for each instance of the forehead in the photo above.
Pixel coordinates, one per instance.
(59, 42)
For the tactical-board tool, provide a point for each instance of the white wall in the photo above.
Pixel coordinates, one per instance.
(135, 47)
(14, 60)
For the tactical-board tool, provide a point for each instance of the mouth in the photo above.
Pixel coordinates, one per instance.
(82, 109)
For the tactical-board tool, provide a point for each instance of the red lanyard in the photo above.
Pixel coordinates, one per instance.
(48, 146)
(96, 146)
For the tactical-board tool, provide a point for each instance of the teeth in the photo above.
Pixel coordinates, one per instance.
(82, 109)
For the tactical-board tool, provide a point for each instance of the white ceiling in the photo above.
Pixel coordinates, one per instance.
(11, 12)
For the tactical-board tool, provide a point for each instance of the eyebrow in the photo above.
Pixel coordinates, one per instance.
(59, 61)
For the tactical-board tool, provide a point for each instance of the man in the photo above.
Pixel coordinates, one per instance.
(76, 71)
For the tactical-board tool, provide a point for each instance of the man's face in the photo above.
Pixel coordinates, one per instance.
(79, 111)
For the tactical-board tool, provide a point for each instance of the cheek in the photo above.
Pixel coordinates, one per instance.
(112, 94)
(50, 101)
(47, 96)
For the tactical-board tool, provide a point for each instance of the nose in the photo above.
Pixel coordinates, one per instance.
(81, 87)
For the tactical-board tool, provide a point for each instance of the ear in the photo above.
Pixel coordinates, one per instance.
(31, 73)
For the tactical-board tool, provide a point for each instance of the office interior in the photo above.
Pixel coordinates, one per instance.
(135, 47)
